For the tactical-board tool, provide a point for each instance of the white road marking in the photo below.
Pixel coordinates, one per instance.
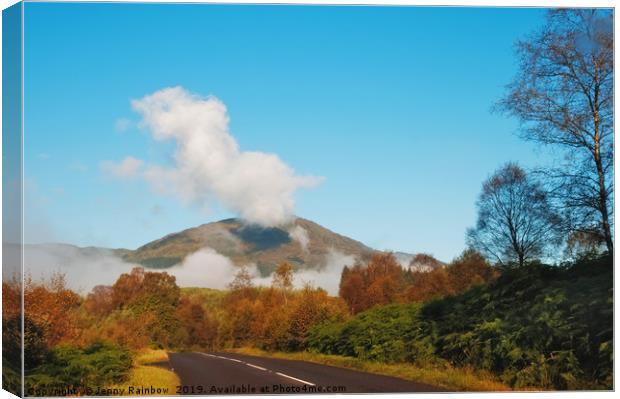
(260, 368)
(255, 366)
(293, 378)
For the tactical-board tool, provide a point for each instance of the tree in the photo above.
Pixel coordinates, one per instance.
(147, 300)
(242, 280)
(424, 262)
(48, 304)
(379, 282)
(312, 307)
(352, 288)
(563, 96)
(469, 269)
(100, 300)
(515, 221)
(283, 278)
(432, 284)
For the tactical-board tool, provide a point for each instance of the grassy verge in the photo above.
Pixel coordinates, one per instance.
(144, 375)
(449, 378)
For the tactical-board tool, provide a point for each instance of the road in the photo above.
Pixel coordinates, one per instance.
(231, 373)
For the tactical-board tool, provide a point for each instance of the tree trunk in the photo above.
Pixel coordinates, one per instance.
(602, 190)
(603, 204)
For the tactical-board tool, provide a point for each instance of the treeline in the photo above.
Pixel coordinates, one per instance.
(536, 326)
(383, 280)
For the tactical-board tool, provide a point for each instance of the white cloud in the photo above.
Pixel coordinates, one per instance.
(328, 276)
(128, 168)
(209, 165)
(204, 268)
(299, 234)
(83, 267)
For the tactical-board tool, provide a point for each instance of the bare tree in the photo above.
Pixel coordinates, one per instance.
(242, 280)
(563, 96)
(515, 222)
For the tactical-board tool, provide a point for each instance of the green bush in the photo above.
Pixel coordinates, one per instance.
(393, 333)
(97, 365)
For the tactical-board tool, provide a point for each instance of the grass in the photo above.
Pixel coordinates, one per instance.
(148, 356)
(448, 378)
(144, 375)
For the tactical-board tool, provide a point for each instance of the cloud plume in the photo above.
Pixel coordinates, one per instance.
(208, 163)
(300, 235)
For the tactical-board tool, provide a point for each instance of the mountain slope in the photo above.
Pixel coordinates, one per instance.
(303, 243)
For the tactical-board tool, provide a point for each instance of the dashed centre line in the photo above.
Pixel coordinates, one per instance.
(256, 367)
(259, 368)
(293, 378)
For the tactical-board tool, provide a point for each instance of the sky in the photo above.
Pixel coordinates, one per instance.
(146, 119)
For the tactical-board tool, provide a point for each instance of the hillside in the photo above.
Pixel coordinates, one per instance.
(243, 244)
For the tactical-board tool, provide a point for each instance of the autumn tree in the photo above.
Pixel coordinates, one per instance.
(379, 282)
(430, 284)
(385, 280)
(424, 262)
(100, 300)
(146, 300)
(352, 288)
(563, 97)
(515, 221)
(464, 272)
(312, 306)
(283, 278)
(200, 329)
(470, 269)
(242, 284)
(11, 299)
(48, 304)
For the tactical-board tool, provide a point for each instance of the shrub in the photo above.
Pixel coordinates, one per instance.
(97, 365)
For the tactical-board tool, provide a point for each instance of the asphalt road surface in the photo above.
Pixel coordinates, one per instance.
(231, 373)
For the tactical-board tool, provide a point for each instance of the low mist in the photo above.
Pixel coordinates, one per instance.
(85, 268)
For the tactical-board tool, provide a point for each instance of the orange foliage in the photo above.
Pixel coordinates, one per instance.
(470, 269)
(49, 305)
(11, 300)
(428, 285)
(273, 319)
(383, 280)
(100, 300)
(378, 283)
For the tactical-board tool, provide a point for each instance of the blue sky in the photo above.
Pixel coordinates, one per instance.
(391, 105)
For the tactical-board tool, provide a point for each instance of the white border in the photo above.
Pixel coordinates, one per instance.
(484, 3)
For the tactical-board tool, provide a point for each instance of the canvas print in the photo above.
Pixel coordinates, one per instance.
(214, 199)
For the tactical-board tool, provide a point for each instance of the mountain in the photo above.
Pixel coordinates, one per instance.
(303, 243)
(310, 247)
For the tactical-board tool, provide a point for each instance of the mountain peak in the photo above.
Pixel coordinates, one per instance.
(303, 243)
